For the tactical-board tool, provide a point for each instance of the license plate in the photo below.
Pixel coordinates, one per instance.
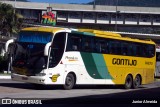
(20, 71)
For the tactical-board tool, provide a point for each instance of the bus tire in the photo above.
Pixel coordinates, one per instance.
(137, 81)
(128, 82)
(69, 82)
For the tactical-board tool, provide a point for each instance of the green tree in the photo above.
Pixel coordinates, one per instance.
(10, 20)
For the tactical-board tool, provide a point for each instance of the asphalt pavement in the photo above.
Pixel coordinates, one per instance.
(147, 97)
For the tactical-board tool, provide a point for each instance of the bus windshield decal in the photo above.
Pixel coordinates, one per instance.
(35, 37)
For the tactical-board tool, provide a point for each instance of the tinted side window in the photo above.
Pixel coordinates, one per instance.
(151, 50)
(87, 44)
(114, 47)
(125, 48)
(74, 42)
(100, 45)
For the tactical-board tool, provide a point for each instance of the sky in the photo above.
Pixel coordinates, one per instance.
(62, 1)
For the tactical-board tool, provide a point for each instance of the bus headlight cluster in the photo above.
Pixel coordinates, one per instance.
(42, 80)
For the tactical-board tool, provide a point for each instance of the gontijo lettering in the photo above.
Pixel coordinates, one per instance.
(118, 61)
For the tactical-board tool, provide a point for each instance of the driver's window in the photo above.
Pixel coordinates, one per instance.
(57, 49)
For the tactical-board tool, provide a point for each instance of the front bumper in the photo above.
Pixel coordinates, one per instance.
(29, 79)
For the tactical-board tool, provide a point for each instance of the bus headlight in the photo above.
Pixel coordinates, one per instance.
(41, 74)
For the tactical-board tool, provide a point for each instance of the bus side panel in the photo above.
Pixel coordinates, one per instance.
(96, 68)
(148, 76)
(119, 74)
(120, 66)
(55, 75)
(75, 63)
(90, 68)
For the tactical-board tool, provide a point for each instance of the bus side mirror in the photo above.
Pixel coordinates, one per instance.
(46, 49)
(8, 43)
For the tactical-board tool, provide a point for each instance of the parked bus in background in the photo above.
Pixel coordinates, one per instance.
(157, 71)
(69, 57)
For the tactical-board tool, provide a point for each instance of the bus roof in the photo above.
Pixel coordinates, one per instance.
(91, 32)
(98, 32)
(106, 34)
(43, 29)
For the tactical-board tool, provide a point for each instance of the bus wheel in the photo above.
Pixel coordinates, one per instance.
(137, 81)
(69, 82)
(128, 82)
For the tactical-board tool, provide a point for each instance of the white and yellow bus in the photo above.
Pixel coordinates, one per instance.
(157, 71)
(69, 57)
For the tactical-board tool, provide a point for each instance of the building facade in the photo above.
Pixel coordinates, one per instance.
(113, 18)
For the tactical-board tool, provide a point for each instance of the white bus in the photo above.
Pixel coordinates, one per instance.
(157, 71)
(68, 57)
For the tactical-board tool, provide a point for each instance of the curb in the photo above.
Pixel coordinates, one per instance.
(5, 77)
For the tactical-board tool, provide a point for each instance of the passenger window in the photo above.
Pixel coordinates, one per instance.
(125, 48)
(151, 50)
(103, 46)
(97, 46)
(114, 47)
(87, 44)
(74, 42)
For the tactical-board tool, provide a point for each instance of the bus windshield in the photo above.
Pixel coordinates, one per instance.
(29, 51)
(30, 56)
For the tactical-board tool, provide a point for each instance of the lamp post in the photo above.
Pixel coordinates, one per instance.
(116, 15)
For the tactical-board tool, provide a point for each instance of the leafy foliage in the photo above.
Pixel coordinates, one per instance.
(10, 20)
